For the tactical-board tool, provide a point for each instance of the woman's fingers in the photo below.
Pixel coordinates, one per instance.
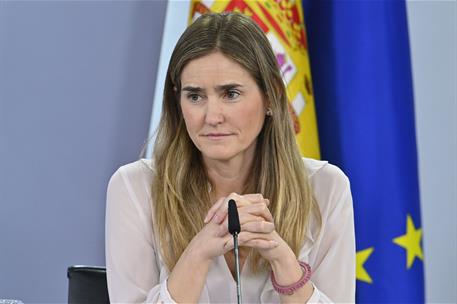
(252, 213)
(254, 240)
(258, 210)
(247, 236)
(244, 218)
(257, 243)
(218, 212)
(258, 227)
(256, 198)
(209, 242)
(261, 244)
(213, 209)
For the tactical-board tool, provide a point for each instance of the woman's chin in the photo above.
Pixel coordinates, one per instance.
(222, 156)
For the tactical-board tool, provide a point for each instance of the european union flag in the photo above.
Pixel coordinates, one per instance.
(360, 62)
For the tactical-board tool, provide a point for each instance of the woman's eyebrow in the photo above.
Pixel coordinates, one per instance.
(228, 86)
(219, 88)
(192, 89)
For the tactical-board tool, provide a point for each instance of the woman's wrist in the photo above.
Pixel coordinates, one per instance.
(286, 268)
(195, 251)
(290, 289)
(187, 278)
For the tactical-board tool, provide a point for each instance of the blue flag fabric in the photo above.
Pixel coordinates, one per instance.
(360, 62)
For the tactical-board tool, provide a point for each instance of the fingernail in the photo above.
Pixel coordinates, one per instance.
(206, 219)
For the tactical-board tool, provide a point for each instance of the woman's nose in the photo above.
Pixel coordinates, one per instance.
(214, 112)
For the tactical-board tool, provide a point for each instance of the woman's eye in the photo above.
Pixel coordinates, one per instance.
(194, 98)
(232, 94)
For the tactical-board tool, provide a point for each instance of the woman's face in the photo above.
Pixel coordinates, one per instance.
(222, 106)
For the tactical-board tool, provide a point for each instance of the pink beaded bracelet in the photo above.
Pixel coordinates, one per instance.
(290, 289)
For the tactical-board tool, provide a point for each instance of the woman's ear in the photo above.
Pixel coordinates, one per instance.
(175, 91)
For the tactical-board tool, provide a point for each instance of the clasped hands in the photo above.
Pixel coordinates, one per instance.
(257, 229)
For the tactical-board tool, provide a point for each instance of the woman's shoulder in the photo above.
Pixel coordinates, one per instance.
(323, 171)
(332, 192)
(128, 199)
(140, 169)
(329, 183)
(142, 165)
(135, 177)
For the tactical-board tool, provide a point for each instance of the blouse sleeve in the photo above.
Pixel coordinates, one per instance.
(133, 273)
(332, 257)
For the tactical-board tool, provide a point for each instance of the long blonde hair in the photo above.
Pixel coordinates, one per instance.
(180, 187)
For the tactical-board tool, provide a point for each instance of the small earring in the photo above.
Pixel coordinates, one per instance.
(269, 112)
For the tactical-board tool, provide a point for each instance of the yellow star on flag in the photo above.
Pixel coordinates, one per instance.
(411, 241)
(360, 272)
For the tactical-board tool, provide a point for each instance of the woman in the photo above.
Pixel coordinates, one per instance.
(225, 133)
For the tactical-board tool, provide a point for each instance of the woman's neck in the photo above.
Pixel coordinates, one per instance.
(228, 176)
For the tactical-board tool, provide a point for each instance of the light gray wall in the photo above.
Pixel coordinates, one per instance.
(76, 88)
(433, 36)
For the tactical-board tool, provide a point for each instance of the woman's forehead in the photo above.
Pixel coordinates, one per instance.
(215, 68)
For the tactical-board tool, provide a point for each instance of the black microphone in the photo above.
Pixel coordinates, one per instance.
(233, 219)
(234, 228)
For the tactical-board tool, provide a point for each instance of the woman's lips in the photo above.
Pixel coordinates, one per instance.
(217, 136)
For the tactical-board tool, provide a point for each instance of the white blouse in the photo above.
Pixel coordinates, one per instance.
(137, 274)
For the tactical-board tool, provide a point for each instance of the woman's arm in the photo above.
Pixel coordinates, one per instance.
(333, 254)
(287, 271)
(132, 267)
(188, 277)
(133, 271)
